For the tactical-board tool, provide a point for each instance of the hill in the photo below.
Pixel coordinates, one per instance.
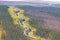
(37, 15)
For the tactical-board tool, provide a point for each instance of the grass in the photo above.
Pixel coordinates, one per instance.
(15, 33)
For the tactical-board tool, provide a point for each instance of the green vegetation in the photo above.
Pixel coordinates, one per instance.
(15, 33)
(44, 33)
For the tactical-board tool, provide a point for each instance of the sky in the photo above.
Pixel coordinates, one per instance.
(32, 0)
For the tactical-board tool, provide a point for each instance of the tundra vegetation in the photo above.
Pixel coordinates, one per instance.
(16, 33)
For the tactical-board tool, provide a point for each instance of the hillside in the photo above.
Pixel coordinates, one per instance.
(38, 16)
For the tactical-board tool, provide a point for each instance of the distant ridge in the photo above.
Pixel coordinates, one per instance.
(42, 3)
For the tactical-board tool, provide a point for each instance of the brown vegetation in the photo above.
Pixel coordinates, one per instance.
(2, 32)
